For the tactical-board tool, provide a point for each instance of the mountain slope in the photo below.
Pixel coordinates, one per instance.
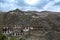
(45, 19)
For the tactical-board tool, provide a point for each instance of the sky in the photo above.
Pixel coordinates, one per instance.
(33, 5)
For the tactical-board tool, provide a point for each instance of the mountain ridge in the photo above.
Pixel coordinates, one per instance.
(29, 11)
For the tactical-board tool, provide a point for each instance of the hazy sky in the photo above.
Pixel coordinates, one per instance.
(37, 5)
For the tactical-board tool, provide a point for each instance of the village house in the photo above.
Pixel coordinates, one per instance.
(17, 30)
(6, 31)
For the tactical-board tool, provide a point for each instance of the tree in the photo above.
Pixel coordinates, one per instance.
(22, 39)
(13, 38)
(3, 37)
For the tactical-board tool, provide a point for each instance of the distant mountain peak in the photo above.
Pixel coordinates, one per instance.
(16, 10)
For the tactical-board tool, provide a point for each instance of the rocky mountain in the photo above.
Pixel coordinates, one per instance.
(46, 19)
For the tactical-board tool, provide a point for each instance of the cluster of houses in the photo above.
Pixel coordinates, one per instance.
(16, 30)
